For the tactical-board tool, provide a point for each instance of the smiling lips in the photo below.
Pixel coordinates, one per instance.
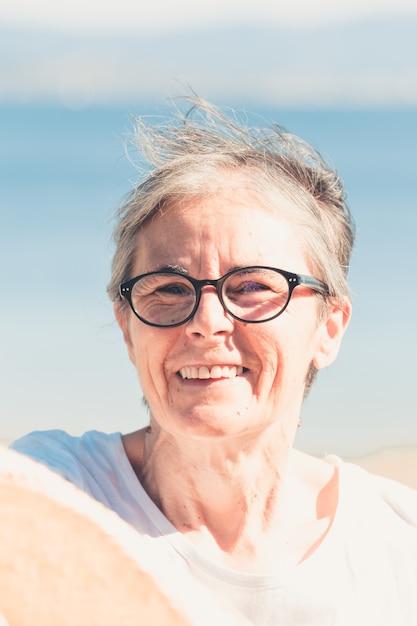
(216, 371)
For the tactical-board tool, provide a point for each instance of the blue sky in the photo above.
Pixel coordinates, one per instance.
(164, 15)
(255, 57)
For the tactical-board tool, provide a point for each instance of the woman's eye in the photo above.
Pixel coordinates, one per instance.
(251, 285)
(174, 289)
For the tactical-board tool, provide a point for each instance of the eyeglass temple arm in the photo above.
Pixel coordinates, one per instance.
(314, 283)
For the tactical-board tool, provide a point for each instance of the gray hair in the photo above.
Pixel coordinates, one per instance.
(190, 156)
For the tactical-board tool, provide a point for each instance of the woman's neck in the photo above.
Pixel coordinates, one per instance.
(243, 499)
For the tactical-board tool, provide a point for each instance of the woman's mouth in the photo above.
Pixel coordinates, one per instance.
(215, 371)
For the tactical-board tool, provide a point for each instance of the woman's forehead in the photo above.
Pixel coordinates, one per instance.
(231, 194)
(232, 229)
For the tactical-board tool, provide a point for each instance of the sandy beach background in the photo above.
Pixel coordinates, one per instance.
(398, 463)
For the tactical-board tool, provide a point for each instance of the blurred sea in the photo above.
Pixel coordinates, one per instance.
(63, 173)
(47, 152)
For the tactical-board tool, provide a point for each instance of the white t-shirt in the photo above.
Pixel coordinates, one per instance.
(363, 574)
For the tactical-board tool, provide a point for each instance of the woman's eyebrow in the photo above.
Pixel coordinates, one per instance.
(171, 267)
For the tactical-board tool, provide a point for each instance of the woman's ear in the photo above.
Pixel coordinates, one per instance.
(332, 329)
(123, 317)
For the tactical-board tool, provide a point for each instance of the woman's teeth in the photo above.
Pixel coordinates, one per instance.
(217, 371)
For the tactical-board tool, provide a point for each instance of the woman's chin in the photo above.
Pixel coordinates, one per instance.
(212, 421)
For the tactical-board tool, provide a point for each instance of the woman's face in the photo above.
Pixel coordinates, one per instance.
(209, 237)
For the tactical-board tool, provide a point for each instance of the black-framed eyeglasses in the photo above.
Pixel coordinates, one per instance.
(251, 294)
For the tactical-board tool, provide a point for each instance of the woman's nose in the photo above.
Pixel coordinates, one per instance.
(210, 318)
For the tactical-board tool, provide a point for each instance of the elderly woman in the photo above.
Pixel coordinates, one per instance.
(229, 286)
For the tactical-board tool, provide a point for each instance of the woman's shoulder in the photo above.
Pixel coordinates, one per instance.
(61, 438)
(69, 455)
(363, 491)
(360, 498)
(50, 441)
